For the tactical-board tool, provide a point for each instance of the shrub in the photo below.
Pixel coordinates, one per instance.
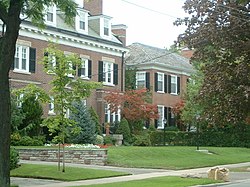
(109, 140)
(125, 131)
(99, 139)
(14, 158)
(142, 140)
(17, 140)
(95, 118)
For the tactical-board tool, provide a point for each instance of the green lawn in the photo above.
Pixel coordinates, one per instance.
(175, 157)
(71, 174)
(159, 182)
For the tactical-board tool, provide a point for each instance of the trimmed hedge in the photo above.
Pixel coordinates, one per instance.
(208, 138)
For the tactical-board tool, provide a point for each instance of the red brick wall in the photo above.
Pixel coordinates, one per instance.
(94, 6)
(43, 78)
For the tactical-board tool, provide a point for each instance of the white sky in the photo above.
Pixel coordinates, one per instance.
(145, 26)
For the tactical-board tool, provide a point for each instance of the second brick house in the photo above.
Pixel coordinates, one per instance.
(164, 73)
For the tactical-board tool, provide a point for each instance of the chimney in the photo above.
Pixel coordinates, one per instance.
(120, 32)
(95, 7)
(188, 53)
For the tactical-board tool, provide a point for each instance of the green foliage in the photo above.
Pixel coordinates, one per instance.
(16, 115)
(99, 140)
(130, 79)
(114, 126)
(95, 118)
(14, 158)
(142, 139)
(17, 140)
(86, 126)
(65, 90)
(125, 131)
(109, 140)
(224, 137)
(31, 110)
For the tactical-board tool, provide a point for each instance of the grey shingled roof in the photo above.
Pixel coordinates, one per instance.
(140, 54)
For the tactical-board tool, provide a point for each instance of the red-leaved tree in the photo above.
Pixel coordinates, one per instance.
(135, 105)
(177, 110)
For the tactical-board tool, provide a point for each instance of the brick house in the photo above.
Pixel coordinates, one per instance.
(91, 37)
(164, 73)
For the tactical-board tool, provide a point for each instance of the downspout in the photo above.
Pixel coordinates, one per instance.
(122, 72)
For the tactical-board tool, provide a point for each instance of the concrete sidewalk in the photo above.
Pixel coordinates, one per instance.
(137, 174)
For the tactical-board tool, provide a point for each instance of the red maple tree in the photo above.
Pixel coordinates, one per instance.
(135, 105)
(177, 110)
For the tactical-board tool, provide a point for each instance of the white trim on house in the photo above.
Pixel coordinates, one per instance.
(72, 41)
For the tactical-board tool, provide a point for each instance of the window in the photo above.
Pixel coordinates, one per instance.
(108, 72)
(50, 17)
(84, 68)
(160, 124)
(51, 106)
(173, 84)
(71, 69)
(106, 27)
(140, 79)
(111, 117)
(81, 21)
(21, 61)
(160, 82)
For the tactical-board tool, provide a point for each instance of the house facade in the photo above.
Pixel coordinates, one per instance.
(90, 37)
(162, 72)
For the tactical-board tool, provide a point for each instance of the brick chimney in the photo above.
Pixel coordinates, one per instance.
(95, 7)
(120, 32)
(188, 53)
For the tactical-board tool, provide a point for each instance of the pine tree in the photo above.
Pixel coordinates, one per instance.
(86, 126)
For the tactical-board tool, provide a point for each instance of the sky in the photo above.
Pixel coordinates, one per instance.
(152, 27)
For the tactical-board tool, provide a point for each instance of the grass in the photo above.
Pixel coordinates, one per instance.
(71, 174)
(240, 169)
(159, 182)
(175, 157)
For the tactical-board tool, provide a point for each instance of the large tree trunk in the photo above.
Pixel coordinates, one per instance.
(7, 51)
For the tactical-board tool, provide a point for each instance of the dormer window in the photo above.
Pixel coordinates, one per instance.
(50, 16)
(106, 27)
(81, 21)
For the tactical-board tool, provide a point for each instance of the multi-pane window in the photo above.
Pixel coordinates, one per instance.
(84, 68)
(106, 27)
(70, 69)
(160, 124)
(81, 21)
(51, 63)
(21, 58)
(50, 17)
(140, 79)
(111, 117)
(173, 84)
(160, 82)
(20, 100)
(108, 72)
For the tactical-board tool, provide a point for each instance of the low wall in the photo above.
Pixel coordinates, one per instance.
(92, 157)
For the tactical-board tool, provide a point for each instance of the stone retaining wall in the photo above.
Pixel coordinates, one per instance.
(92, 157)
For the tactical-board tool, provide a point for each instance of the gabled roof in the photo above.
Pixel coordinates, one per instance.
(141, 55)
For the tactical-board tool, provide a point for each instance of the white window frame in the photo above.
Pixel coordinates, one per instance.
(160, 80)
(51, 106)
(52, 10)
(71, 69)
(141, 77)
(85, 67)
(108, 75)
(51, 63)
(160, 124)
(114, 115)
(81, 16)
(173, 82)
(20, 58)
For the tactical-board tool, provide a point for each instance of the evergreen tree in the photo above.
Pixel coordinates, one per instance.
(95, 118)
(125, 131)
(86, 132)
